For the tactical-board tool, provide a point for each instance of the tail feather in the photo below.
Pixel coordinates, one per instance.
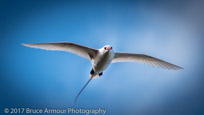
(82, 89)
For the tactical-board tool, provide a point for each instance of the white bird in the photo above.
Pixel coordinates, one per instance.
(103, 57)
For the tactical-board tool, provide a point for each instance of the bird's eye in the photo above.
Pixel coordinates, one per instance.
(111, 47)
(105, 48)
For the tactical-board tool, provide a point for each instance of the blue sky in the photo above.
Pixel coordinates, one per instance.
(34, 78)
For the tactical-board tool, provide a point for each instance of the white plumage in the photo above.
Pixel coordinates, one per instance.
(101, 58)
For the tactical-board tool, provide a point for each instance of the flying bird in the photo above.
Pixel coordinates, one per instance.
(103, 57)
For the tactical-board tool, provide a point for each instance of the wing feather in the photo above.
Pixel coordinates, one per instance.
(145, 59)
(80, 50)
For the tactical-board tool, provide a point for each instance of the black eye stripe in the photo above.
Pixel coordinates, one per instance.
(109, 47)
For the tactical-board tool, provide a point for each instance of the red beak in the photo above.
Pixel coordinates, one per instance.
(108, 48)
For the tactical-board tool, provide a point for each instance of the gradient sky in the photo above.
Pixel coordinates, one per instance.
(171, 31)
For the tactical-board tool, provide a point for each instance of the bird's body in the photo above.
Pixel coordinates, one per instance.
(103, 57)
(101, 61)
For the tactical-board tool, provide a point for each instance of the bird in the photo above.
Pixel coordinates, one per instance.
(102, 58)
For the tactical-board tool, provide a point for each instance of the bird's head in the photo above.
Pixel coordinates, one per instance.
(106, 48)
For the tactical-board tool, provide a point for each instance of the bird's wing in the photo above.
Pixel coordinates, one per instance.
(145, 59)
(80, 50)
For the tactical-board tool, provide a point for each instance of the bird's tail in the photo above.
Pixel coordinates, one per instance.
(82, 89)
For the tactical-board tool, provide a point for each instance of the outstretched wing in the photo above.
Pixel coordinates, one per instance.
(145, 59)
(80, 50)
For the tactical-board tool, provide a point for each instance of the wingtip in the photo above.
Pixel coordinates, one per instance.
(24, 44)
(27, 45)
(180, 68)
